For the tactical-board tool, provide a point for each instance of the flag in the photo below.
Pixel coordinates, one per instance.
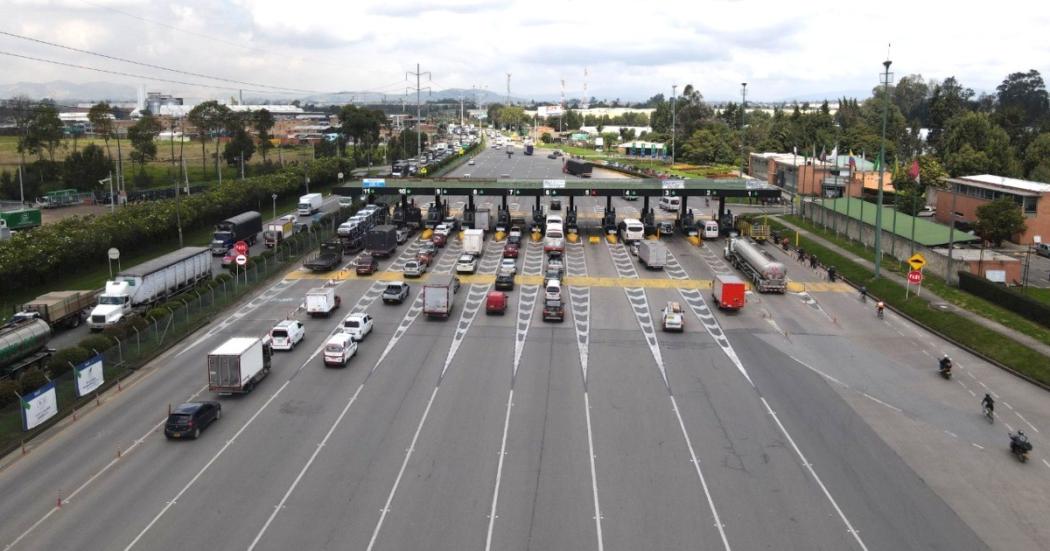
(913, 172)
(835, 154)
(852, 162)
(794, 150)
(823, 154)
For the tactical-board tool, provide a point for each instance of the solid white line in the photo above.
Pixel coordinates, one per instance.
(809, 467)
(302, 472)
(950, 433)
(976, 445)
(1046, 463)
(594, 472)
(700, 474)
(818, 372)
(1008, 427)
(205, 468)
(1008, 406)
(972, 393)
(401, 472)
(877, 401)
(499, 471)
(1026, 421)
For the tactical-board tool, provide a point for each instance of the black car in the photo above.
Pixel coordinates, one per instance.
(555, 204)
(505, 281)
(189, 419)
(515, 239)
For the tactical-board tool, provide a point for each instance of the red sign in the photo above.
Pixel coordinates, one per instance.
(241, 247)
(915, 277)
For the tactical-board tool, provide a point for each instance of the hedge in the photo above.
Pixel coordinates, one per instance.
(59, 362)
(35, 257)
(96, 342)
(1005, 297)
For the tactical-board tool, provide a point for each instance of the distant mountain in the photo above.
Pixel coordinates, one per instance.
(339, 98)
(65, 91)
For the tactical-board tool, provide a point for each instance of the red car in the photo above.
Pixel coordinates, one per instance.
(366, 264)
(510, 250)
(425, 257)
(439, 239)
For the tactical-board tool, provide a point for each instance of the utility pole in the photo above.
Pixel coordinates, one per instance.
(175, 182)
(886, 76)
(419, 114)
(561, 119)
(743, 105)
(508, 89)
(674, 121)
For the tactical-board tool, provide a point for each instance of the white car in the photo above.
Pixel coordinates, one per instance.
(443, 229)
(358, 325)
(673, 317)
(339, 349)
(508, 264)
(415, 269)
(466, 264)
(286, 334)
(471, 162)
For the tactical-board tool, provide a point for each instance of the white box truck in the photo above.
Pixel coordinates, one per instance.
(473, 242)
(237, 365)
(149, 283)
(310, 204)
(321, 301)
(438, 295)
(652, 254)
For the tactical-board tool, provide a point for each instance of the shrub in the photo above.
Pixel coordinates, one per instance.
(59, 362)
(97, 342)
(8, 389)
(32, 380)
(222, 279)
(158, 313)
(125, 327)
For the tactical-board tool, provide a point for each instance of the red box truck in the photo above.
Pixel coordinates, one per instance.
(729, 292)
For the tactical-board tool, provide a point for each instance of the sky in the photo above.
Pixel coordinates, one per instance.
(629, 50)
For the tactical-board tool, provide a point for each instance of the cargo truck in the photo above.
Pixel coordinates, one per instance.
(321, 301)
(577, 168)
(439, 295)
(768, 275)
(23, 344)
(310, 204)
(278, 231)
(381, 241)
(21, 219)
(237, 365)
(328, 259)
(652, 254)
(243, 227)
(150, 282)
(59, 308)
(473, 242)
(729, 292)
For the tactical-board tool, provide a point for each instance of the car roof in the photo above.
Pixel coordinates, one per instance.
(285, 324)
(339, 338)
(188, 407)
(355, 315)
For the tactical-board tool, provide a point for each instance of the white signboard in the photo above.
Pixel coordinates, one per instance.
(554, 184)
(545, 111)
(39, 406)
(673, 184)
(995, 276)
(89, 375)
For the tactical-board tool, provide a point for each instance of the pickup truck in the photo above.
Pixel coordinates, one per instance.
(395, 293)
(329, 259)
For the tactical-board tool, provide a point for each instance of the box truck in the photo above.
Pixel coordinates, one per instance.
(310, 204)
(473, 242)
(321, 301)
(278, 231)
(237, 365)
(439, 295)
(729, 292)
(381, 241)
(150, 282)
(652, 254)
(243, 227)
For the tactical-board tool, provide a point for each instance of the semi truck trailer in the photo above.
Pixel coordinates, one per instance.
(769, 276)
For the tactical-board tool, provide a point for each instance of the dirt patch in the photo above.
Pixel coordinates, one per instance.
(50, 216)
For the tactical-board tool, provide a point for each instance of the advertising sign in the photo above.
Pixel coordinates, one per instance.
(39, 406)
(673, 184)
(89, 375)
(373, 182)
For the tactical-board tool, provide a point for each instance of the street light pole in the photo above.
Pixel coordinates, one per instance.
(743, 105)
(274, 197)
(886, 76)
(674, 125)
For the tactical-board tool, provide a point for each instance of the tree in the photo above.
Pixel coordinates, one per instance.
(44, 131)
(363, 126)
(1037, 156)
(263, 122)
(714, 144)
(1026, 93)
(573, 120)
(948, 100)
(142, 134)
(910, 95)
(546, 137)
(83, 169)
(609, 140)
(999, 220)
(101, 117)
(973, 144)
(209, 118)
(240, 147)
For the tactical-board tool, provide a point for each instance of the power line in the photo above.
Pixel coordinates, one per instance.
(132, 75)
(152, 66)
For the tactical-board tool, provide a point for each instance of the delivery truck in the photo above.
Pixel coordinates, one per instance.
(652, 254)
(321, 301)
(473, 242)
(278, 231)
(237, 365)
(439, 295)
(381, 241)
(310, 204)
(243, 227)
(729, 292)
(150, 282)
(59, 308)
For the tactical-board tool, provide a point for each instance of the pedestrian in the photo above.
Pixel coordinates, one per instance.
(801, 254)
(813, 261)
(831, 274)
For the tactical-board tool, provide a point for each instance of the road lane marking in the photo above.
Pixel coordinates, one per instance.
(877, 401)
(813, 472)
(1018, 414)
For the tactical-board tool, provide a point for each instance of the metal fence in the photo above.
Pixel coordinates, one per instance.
(151, 336)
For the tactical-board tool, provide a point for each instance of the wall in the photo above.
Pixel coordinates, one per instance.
(966, 206)
(899, 248)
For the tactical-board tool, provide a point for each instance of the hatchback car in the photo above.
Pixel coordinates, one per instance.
(189, 419)
(510, 250)
(366, 264)
(467, 264)
(415, 268)
(286, 334)
(553, 310)
(428, 247)
(509, 265)
(505, 281)
(673, 317)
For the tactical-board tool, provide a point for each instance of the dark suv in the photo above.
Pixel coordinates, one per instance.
(505, 280)
(191, 418)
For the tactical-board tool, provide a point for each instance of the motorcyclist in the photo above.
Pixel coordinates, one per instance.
(1020, 442)
(863, 293)
(946, 364)
(880, 307)
(988, 403)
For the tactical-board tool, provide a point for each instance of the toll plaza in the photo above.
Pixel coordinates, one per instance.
(571, 190)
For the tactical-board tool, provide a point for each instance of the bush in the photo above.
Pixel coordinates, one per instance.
(97, 342)
(126, 327)
(266, 255)
(59, 362)
(8, 389)
(158, 313)
(222, 279)
(32, 380)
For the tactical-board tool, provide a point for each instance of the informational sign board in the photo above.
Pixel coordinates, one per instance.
(554, 184)
(375, 182)
(673, 184)
(89, 375)
(995, 276)
(39, 406)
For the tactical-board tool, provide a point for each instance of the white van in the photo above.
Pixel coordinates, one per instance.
(670, 203)
(553, 219)
(633, 230)
(552, 290)
(710, 229)
(339, 349)
(1042, 249)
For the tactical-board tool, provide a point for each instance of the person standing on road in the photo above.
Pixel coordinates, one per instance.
(813, 261)
(801, 254)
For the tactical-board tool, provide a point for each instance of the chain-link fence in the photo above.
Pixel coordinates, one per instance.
(140, 338)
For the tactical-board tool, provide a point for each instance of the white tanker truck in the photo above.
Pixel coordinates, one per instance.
(768, 275)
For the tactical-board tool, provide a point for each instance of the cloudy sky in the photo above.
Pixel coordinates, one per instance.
(631, 50)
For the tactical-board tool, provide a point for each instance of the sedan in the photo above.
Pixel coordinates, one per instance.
(366, 264)
(415, 269)
(508, 265)
(510, 250)
(467, 263)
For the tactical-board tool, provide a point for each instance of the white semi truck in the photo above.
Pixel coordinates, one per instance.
(150, 282)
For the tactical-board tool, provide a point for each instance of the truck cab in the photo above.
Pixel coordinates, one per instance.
(113, 304)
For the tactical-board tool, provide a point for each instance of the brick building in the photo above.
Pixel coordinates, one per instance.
(970, 192)
(798, 174)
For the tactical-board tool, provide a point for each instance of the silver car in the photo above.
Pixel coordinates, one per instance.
(415, 269)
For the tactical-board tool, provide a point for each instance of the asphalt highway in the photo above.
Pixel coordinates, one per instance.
(801, 422)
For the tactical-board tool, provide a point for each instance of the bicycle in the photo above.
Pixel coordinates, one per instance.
(989, 413)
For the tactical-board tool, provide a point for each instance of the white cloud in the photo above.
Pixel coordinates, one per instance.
(631, 49)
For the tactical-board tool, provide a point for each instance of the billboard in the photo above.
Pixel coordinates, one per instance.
(39, 406)
(545, 111)
(88, 375)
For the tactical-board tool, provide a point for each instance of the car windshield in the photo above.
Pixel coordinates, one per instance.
(334, 348)
(393, 289)
(279, 333)
(466, 258)
(110, 300)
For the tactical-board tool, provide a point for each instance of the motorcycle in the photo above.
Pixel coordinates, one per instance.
(989, 413)
(1020, 446)
(945, 370)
